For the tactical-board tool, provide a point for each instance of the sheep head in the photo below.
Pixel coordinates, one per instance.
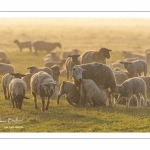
(18, 75)
(105, 52)
(77, 72)
(74, 57)
(32, 69)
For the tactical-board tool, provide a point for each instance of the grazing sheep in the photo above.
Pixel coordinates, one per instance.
(23, 45)
(127, 54)
(100, 73)
(121, 76)
(71, 92)
(71, 61)
(55, 57)
(27, 79)
(6, 68)
(95, 56)
(45, 46)
(17, 90)
(43, 85)
(135, 68)
(34, 69)
(56, 72)
(60, 64)
(147, 81)
(2, 60)
(133, 86)
(92, 94)
(63, 73)
(3, 55)
(67, 53)
(6, 80)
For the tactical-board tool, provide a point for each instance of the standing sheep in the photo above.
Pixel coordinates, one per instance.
(23, 45)
(127, 54)
(92, 94)
(100, 73)
(27, 79)
(71, 61)
(17, 89)
(133, 86)
(45, 46)
(95, 56)
(6, 79)
(71, 92)
(3, 55)
(6, 68)
(43, 85)
(56, 72)
(135, 68)
(34, 69)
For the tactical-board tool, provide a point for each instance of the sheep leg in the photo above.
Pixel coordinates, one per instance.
(4, 88)
(30, 49)
(113, 99)
(145, 99)
(8, 95)
(69, 101)
(118, 99)
(67, 74)
(88, 99)
(59, 96)
(13, 103)
(109, 97)
(16, 103)
(35, 100)
(128, 101)
(138, 100)
(48, 101)
(43, 103)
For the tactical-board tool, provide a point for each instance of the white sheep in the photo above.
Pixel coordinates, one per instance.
(92, 94)
(23, 45)
(136, 67)
(45, 46)
(17, 90)
(133, 86)
(95, 56)
(71, 61)
(127, 54)
(65, 54)
(6, 68)
(6, 79)
(3, 55)
(71, 92)
(43, 85)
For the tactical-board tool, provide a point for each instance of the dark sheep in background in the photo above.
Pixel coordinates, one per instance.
(95, 56)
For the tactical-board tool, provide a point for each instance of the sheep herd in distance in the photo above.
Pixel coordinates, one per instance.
(93, 81)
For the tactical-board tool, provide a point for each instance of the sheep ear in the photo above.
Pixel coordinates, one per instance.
(69, 56)
(23, 75)
(12, 74)
(78, 55)
(26, 97)
(122, 62)
(109, 50)
(29, 68)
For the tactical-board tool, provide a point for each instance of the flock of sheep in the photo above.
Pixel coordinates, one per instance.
(94, 82)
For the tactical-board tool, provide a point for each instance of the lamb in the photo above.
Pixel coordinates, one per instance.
(133, 86)
(6, 68)
(23, 45)
(92, 94)
(43, 85)
(67, 53)
(95, 56)
(71, 61)
(27, 79)
(17, 90)
(34, 69)
(3, 55)
(100, 73)
(60, 64)
(71, 92)
(127, 54)
(6, 80)
(56, 72)
(45, 46)
(135, 68)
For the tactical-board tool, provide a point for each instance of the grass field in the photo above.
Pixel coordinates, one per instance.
(83, 34)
